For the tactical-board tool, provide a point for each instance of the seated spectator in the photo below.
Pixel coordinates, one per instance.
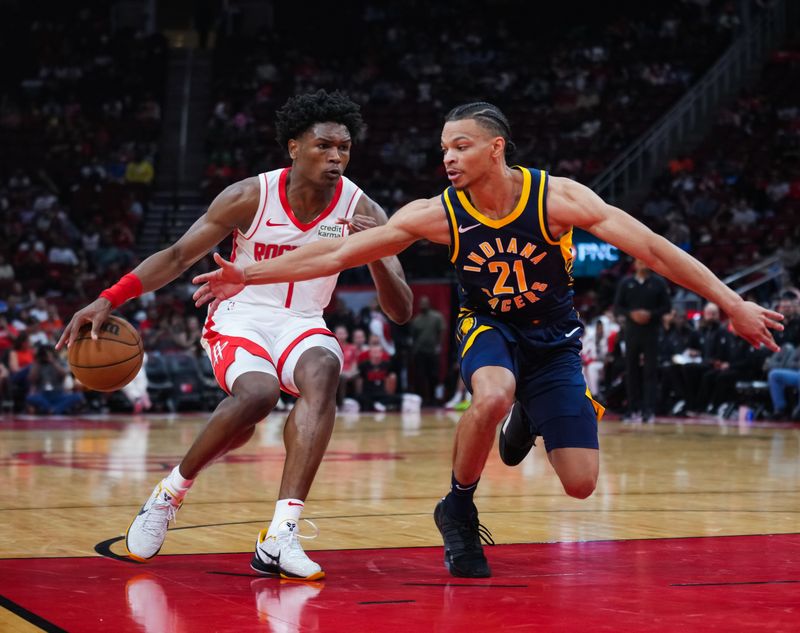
(349, 373)
(6, 400)
(709, 352)
(6, 269)
(783, 374)
(593, 356)
(674, 339)
(61, 253)
(136, 390)
(366, 349)
(46, 380)
(377, 384)
(359, 338)
(19, 363)
(8, 333)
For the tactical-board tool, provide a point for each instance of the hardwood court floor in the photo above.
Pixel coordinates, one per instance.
(71, 486)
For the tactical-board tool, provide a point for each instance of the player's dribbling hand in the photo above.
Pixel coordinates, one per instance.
(753, 323)
(358, 222)
(223, 283)
(95, 313)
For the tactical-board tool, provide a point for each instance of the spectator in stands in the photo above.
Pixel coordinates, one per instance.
(52, 324)
(6, 269)
(783, 377)
(593, 356)
(378, 326)
(673, 340)
(39, 309)
(46, 380)
(377, 384)
(427, 328)
(136, 390)
(791, 332)
(19, 363)
(8, 335)
(349, 365)
(139, 170)
(789, 254)
(359, 338)
(642, 299)
(709, 350)
(6, 399)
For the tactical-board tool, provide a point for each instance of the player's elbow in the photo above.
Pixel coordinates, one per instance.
(400, 314)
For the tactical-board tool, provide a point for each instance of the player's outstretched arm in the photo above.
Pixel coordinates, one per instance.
(231, 208)
(570, 203)
(417, 220)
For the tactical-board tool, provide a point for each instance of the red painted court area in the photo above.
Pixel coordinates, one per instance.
(743, 583)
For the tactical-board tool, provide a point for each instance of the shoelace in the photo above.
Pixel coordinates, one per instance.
(153, 521)
(293, 545)
(472, 533)
(485, 534)
(313, 525)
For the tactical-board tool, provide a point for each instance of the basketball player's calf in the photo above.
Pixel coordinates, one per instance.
(254, 396)
(455, 515)
(577, 468)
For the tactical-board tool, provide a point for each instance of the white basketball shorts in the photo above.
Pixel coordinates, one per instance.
(243, 337)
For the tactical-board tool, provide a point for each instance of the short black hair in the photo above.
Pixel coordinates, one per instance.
(488, 116)
(301, 112)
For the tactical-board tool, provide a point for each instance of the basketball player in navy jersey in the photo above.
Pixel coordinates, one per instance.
(509, 230)
(270, 337)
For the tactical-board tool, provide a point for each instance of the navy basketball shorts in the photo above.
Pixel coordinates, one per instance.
(547, 365)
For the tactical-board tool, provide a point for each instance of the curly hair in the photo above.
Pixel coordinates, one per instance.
(488, 116)
(301, 112)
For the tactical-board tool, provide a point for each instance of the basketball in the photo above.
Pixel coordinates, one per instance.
(110, 362)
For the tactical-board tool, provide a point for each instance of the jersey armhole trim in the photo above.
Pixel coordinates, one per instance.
(543, 210)
(262, 206)
(351, 206)
(453, 226)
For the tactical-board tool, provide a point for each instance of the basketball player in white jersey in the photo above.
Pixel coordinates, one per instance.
(268, 338)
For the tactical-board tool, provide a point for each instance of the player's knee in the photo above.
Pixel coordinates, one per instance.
(580, 487)
(493, 404)
(254, 403)
(319, 379)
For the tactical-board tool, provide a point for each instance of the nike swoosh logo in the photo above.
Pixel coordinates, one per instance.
(292, 503)
(276, 560)
(271, 223)
(464, 229)
(571, 332)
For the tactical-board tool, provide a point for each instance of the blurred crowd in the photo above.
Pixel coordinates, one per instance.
(80, 120)
(576, 95)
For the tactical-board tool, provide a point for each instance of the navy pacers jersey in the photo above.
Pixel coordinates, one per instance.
(511, 268)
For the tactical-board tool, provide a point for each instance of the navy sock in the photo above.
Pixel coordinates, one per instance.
(458, 502)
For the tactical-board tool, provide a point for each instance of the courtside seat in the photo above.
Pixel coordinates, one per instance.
(754, 394)
(160, 386)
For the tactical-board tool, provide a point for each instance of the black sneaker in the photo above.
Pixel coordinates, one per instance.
(516, 438)
(463, 553)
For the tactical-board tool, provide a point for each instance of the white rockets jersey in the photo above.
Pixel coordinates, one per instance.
(275, 230)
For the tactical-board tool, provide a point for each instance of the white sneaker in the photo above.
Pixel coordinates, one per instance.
(147, 531)
(281, 555)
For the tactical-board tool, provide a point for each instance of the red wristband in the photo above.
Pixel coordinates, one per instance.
(129, 287)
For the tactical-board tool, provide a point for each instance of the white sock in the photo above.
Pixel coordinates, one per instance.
(285, 509)
(177, 483)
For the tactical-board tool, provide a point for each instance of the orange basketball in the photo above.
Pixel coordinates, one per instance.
(110, 362)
